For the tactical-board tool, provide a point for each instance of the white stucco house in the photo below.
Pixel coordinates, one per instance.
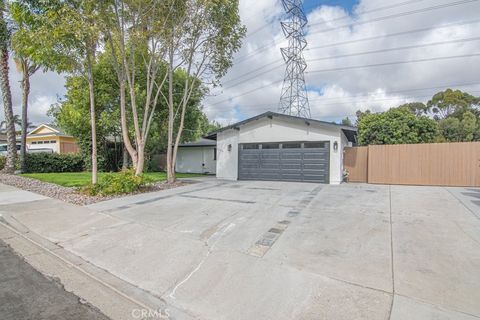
(273, 146)
(197, 157)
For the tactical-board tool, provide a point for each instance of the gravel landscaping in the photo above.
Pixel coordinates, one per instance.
(71, 195)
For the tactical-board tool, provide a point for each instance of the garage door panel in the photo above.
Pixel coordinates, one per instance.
(290, 164)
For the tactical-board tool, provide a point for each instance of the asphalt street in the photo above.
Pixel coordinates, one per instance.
(27, 294)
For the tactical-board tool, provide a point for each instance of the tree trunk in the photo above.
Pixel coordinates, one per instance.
(123, 123)
(140, 159)
(92, 118)
(125, 158)
(25, 94)
(7, 105)
(170, 168)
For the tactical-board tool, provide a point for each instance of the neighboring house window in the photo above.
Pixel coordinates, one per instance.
(40, 142)
(53, 141)
(34, 142)
(214, 154)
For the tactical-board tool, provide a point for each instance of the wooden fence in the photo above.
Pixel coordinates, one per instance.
(437, 164)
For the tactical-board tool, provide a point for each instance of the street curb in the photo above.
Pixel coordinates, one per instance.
(114, 297)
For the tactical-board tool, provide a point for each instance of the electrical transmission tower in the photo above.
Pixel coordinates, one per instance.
(294, 99)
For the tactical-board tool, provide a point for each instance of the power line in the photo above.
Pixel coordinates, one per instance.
(365, 39)
(336, 44)
(345, 56)
(402, 14)
(385, 99)
(364, 66)
(396, 63)
(397, 15)
(431, 44)
(354, 97)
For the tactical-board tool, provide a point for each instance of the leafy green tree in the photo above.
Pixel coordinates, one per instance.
(6, 91)
(450, 130)
(62, 35)
(201, 37)
(396, 126)
(451, 103)
(417, 108)
(469, 126)
(347, 122)
(26, 67)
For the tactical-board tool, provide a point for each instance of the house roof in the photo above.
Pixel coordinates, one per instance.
(350, 132)
(55, 131)
(202, 142)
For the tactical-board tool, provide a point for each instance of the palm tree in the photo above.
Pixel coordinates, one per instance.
(27, 68)
(6, 92)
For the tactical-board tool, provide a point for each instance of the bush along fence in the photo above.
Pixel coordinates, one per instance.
(429, 164)
(53, 162)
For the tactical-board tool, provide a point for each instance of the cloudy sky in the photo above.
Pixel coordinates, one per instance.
(340, 76)
(338, 28)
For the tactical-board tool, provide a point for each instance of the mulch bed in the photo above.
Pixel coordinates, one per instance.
(71, 195)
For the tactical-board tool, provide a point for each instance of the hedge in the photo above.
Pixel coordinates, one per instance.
(54, 162)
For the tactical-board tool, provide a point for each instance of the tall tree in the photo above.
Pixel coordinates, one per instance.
(135, 29)
(63, 36)
(396, 126)
(6, 91)
(27, 68)
(451, 103)
(201, 37)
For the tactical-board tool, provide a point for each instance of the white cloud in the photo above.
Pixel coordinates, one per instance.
(341, 93)
(45, 87)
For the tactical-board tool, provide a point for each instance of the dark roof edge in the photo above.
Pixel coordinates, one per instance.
(279, 115)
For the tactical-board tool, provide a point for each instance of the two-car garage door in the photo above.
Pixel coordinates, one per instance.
(287, 161)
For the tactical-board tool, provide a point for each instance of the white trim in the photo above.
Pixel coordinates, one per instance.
(43, 125)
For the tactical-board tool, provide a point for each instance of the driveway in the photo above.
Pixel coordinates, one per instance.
(274, 250)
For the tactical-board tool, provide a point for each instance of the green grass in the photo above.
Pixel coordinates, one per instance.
(80, 179)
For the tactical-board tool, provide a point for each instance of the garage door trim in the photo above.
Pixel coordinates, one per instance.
(304, 164)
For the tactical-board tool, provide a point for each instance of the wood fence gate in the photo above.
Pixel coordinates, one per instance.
(436, 164)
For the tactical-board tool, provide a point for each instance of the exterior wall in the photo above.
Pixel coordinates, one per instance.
(54, 146)
(196, 160)
(227, 161)
(276, 130)
(69, 145)
(61, 145)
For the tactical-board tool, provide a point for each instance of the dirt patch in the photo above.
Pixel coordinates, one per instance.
(71, 195)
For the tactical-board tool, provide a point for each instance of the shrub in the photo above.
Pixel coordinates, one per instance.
(3, 159)
(54, 162)
(117, 183)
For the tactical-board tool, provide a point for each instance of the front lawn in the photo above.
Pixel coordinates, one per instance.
(80, 179)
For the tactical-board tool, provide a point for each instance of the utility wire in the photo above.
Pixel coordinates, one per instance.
(392, 16)
(358, 67)
(354, 97)
(367, 39)
(396, 63)
(344, 56)
(336, 44)
(402, 14)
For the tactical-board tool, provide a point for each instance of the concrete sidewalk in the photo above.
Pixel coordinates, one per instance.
(263, 250)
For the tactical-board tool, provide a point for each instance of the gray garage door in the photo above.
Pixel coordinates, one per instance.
(287, 161)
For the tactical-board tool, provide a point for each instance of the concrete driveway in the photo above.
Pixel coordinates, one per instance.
(273, 250)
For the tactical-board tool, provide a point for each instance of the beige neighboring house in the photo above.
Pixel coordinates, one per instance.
(51, 139)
